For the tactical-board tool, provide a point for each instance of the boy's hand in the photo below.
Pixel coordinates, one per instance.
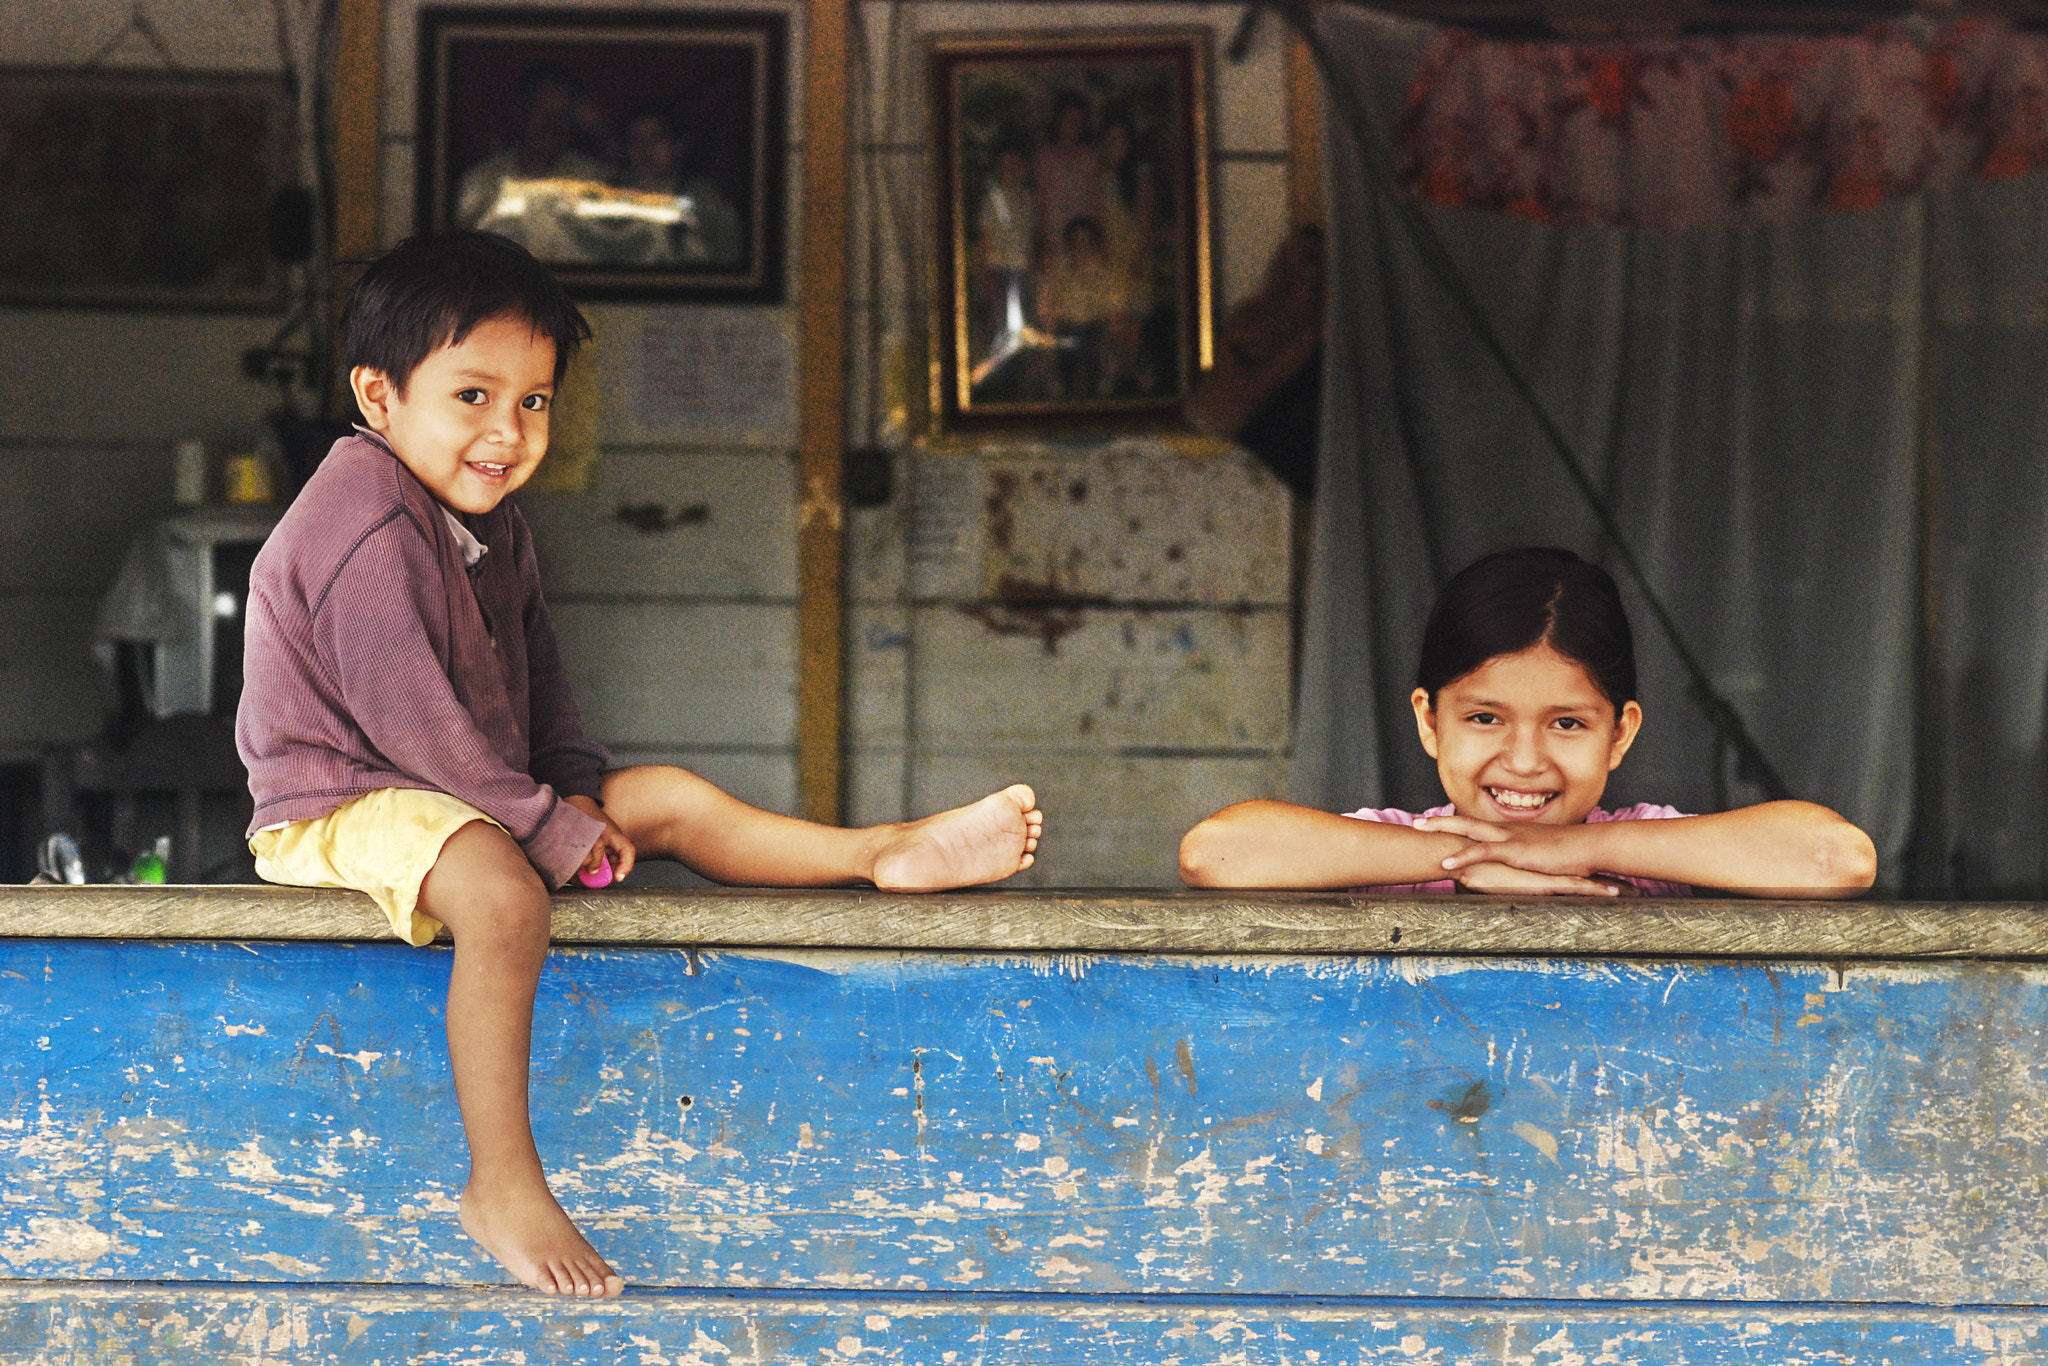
(612, 842)
(1559, 850)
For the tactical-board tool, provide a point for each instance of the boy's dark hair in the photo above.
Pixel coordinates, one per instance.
(1512, 599)
(430, 292)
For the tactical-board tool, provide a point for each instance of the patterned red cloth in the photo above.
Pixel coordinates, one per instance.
(1697, 132)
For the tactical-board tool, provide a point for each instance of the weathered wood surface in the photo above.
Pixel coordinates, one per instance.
(1120, 1124)
(1765, 1137)
(273, 1326)
(1098, 922)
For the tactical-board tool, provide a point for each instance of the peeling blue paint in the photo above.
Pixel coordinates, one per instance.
(1648, 1136)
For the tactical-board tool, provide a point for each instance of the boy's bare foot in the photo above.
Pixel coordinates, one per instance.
(964, 847)
(532, 1238)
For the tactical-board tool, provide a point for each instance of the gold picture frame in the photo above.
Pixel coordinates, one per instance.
(1073, 280)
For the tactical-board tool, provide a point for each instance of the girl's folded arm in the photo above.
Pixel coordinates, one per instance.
(1786, 848)
(1279, 845)
(1789, 848)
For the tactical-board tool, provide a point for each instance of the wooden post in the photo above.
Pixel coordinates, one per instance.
(1304, 207)
(821, 674)
(358, 89)
(358, 119)
(1304, 131)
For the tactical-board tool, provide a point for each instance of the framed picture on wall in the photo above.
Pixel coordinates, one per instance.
(141, 189)
(1072, 232)
(639, 153)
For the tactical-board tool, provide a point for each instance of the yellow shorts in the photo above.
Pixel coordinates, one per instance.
(383, 843)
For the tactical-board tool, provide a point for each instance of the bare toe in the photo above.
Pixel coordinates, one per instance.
(984, 842)
(519, 1224)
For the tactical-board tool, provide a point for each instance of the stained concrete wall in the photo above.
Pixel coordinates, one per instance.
(1134, 713)
(1156, 688)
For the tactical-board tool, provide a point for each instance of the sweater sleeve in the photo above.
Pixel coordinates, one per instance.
(563, 757)
(380, 630)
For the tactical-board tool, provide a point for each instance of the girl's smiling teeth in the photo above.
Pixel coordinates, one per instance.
(488, 469)
(1510, 800)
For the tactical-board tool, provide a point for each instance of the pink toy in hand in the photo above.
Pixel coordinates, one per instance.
(601, 878)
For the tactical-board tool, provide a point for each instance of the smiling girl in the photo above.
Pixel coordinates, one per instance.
(1526, 699)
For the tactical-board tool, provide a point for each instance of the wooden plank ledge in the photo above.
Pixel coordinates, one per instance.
(428, 1325)
(1103, 921)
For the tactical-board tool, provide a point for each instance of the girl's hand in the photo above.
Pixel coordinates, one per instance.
(612, 842)
(1500, 879)
(1560, 850)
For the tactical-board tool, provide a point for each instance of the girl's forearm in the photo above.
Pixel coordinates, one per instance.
(1278, 845)
(1784, 848)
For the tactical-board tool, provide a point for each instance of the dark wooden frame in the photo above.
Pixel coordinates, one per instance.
(104, 139)
(569, 36)
(1183, 52)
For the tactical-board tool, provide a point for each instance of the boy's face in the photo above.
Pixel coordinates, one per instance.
(473, 421)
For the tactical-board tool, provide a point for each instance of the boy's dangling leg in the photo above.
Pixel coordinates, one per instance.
(487, 894)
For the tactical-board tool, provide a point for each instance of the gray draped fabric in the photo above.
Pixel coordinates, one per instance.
(1752, 402)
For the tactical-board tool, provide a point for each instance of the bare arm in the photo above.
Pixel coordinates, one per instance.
(1790, 849)
(1278, 845)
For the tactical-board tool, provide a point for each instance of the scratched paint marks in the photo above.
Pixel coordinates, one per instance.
(363, 1326)
(218, 1110)
(923, 1123)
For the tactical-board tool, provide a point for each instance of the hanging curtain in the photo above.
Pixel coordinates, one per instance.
(1987, 782)
(1752, 396)
(1703, 132)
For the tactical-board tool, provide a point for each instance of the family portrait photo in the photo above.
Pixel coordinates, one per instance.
(1073, 195)
(638, 155)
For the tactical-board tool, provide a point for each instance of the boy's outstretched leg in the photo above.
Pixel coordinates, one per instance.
(673, 813)
(487, 894)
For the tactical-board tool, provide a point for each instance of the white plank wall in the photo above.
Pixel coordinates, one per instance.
(92, 399)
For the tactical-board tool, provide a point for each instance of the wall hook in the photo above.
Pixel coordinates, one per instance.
(138, 22)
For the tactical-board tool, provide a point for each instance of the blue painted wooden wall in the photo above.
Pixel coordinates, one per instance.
(250, 1152)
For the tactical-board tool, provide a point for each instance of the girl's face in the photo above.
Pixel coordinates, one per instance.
(1525, 737)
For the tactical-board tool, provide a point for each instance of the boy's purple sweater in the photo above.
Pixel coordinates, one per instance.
(376, 659)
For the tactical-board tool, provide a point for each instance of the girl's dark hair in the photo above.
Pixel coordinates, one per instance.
(1513, 599)
(430, 292)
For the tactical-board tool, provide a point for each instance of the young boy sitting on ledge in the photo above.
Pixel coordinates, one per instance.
(409, 730)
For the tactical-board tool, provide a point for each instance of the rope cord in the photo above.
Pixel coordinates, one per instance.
(1386, 186)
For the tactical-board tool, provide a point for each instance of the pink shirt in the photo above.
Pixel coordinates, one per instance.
(1641, 811)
